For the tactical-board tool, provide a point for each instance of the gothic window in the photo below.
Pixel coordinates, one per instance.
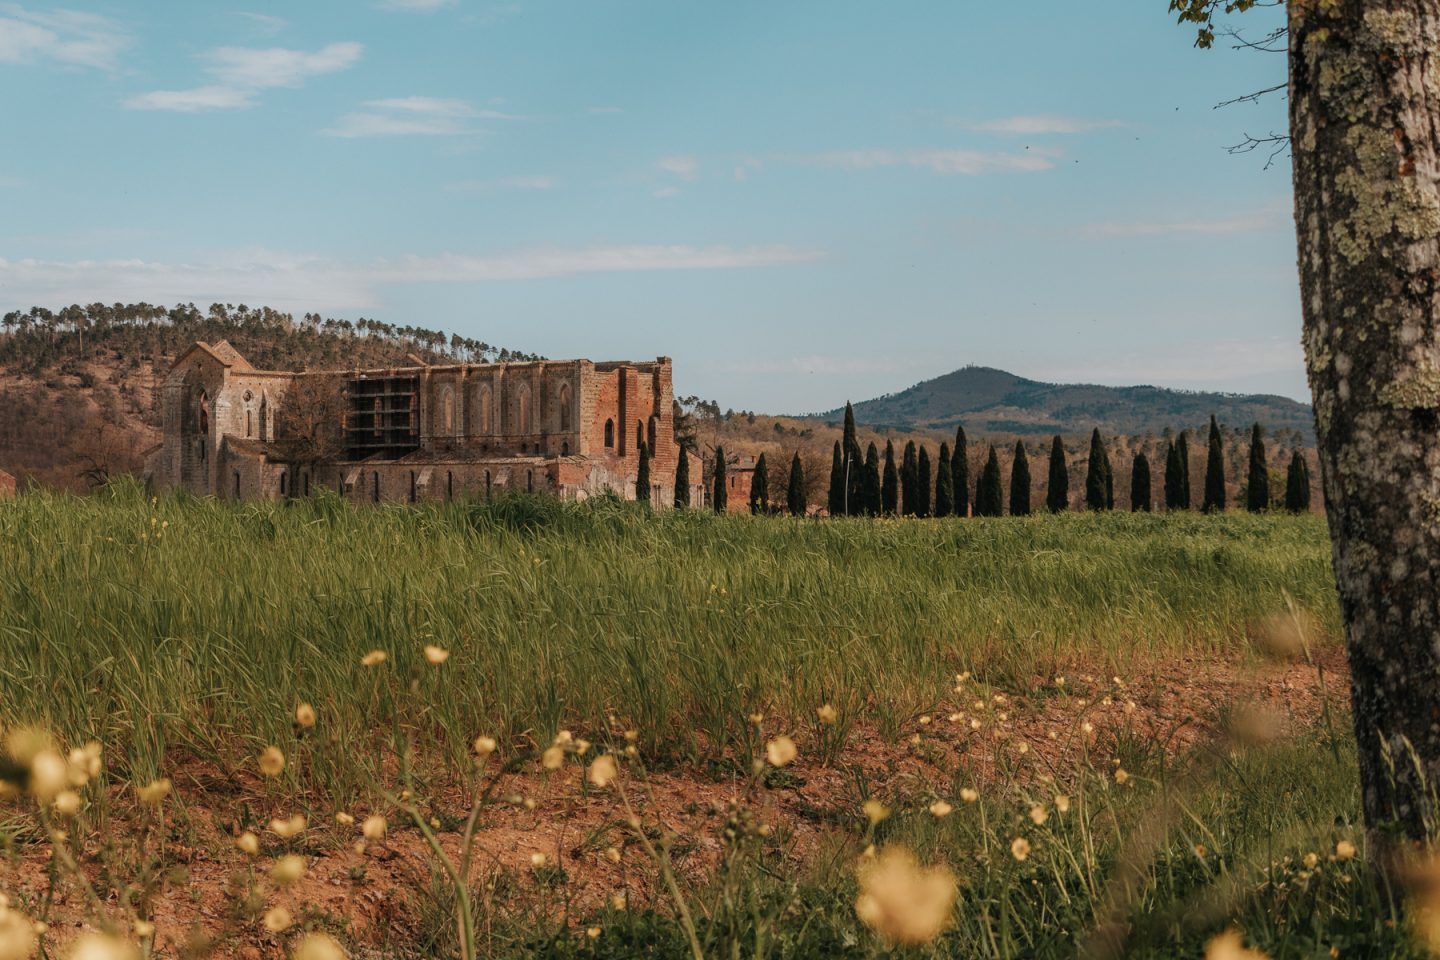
(482, 410)
(249, 430)
(446, 426)
(203, 414)
(412, 486)
(564, 400)
(522, 409)
(565, 448)
(609, 433)
(264, 418)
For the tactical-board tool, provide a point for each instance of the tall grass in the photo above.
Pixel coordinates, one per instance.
(192, 628)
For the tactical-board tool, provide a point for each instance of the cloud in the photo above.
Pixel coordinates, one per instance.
(416, 6)
(412, 116)
(533, 181)
(62, 36)
(941, 161)
(308, 283)
(684, 167)
(1245, 223)
(1044, 123)
(1202, 362)
(264, 23)
(241, 73)
(665, 193)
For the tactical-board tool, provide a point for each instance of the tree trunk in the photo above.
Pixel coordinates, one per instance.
(1365, 121)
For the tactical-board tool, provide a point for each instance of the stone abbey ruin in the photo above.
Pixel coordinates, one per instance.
(570, 428)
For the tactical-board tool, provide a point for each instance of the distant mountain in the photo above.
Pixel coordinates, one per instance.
(992, 401)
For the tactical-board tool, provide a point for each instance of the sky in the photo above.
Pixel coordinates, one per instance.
(800, 202)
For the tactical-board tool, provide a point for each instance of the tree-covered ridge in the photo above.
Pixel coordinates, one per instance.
(37, 339)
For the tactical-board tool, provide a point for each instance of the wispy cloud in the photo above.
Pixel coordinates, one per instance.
(309, 282)
(60, 36)
(263, 23)
(416, 6)
(1210, 362)
(685, 167)
(941, 161)
(242, 73)
(1044, 123)
(412, 116)
(665, 193)
(1244, 223)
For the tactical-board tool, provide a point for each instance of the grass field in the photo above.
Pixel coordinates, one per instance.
(1082, 674)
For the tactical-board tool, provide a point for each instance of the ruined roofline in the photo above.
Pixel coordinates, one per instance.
(227, 356)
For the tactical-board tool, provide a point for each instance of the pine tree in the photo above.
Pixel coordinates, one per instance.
(1057, 497)
(854, 503)
(987, 491)
(909, 467)
(1172, 476)
(871, 487)
(922, 484)
(1140, 483)
(1257, 494)
(719, 496)
(1297, 484)
(760, 487)
(890, 485)
(795, 492)
(1099, 483)
(1214, 472)
(642, 476)
(1182, 448)
(944, 484)
(682, 479)
(1020, 482)
(835, 505)
(960, 472)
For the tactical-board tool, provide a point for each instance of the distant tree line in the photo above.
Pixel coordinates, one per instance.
(867, 483)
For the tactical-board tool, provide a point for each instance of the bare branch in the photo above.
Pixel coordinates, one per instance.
(1276, 143)
(1250, 97)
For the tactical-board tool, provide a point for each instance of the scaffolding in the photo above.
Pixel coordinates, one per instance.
(383, 416)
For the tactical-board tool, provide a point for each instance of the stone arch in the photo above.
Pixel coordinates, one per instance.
(609, 433)
(480, 411)
(522, 409)
(264, 417)
(562, 397)
(445, 412)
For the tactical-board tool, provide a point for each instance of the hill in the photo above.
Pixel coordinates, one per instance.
(987, 400)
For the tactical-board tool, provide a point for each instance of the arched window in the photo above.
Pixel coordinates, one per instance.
(249, 430)
(375, 485)
(445, 424)
(282, 483)
(202, 413)
(522, 409)
(412, 486)
(481, 411)
(564, 448)
(264, 418)
(609, 433)
(237, 484)
(654, 428)
(563, 398)
(449, 485)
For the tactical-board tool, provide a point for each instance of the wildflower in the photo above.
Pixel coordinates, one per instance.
(277, 920)
(553, 757)
(436, 655)
(915, 740)
(144, 929)
(582, 747)
(1311, 861)
(974, 723)
(100, 946)
(1062, 803)
(941, 809)
(1121, 777)
(1022, 747)
(317, 946)
(17, 935)
(592, 932)
(373, 659)
(1087, 727)
(1230, 946)
(538, 860)
(374, 828)
(49, 774)
(84, 764)
(1200, 851)
(1345, 850)
(780, 751)
(155, 791)
(344, 819)
(305, 716)
(875, 811)
(248, 843)
(272, 761)
(288, 869)
(827, 714)
(1059, 681)
(956, 717)
(618, 901)
(602, 771)
(484, 746)
(612, 854)
(969, 794)
(901, 900)
(1038, 815)
(925, 720)
(1020, 848)
(289, 827)
(67, 803)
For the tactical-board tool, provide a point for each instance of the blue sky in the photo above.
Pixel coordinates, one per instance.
(800, 202)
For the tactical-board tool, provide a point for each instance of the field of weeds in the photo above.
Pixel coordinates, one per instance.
(531, 729)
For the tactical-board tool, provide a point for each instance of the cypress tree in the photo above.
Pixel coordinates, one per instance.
(1257, 495)
(1020, 482)
(922, 484)
(682, 479)
(1099, 484)
(1214, 472)
(944, 484)
(890, 485)
(835, 504)
(1172, 477)
(719, 497)
(960, 474)
(642, 476)
(871, 487)
(854, 503)
(1140, 483)
(760, 487)
(987, 491)
(908, 470)
(795, 492)
(1057, 497)
(1297, 484)
(1182, 448)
